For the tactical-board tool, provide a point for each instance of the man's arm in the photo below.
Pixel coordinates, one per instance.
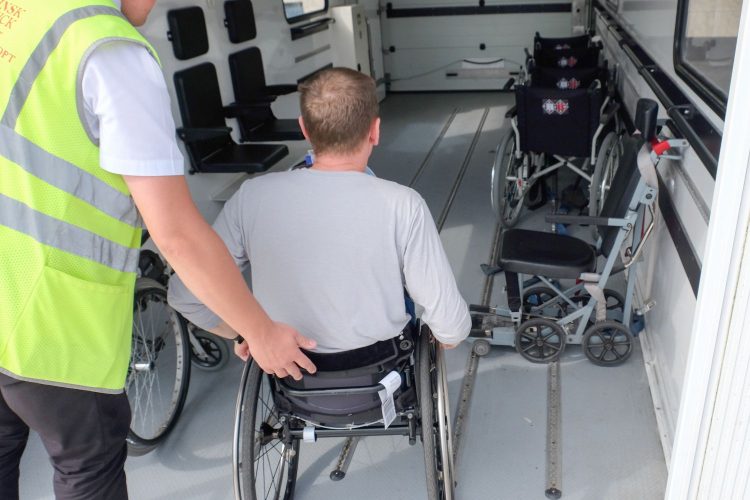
(203, 263)
(430, 281)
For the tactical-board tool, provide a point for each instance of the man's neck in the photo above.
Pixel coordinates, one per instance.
(354, 162)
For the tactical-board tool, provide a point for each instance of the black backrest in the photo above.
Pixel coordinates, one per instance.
(566, 78)
(239, 20)
(248, 78)
(199, 99)
(562, 43)
(557, 121)
(187, 31)
(622, 191)
(587, 57)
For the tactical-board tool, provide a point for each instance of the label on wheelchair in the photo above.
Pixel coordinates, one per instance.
(391, 382)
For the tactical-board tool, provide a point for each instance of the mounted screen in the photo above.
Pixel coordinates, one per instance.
(296, 10)
(705, 41)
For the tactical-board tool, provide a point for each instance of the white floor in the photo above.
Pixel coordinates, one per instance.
(611, 447)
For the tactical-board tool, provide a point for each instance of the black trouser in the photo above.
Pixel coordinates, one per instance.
(84, 433)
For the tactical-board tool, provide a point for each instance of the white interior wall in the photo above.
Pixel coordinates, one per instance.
(428, 47)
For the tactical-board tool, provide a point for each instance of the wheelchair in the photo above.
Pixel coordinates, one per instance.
(553, 129)
(543, 315)
(342, 399)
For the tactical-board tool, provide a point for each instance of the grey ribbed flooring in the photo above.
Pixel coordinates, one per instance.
(611, 448)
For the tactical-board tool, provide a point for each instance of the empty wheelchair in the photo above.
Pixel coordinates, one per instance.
(543, 315)
(343, 399)
(553, 128)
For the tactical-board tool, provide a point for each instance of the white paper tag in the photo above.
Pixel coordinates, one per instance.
(391, 382)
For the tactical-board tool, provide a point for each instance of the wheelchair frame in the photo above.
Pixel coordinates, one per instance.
(540, 337)
(514, 172)
(283, 427)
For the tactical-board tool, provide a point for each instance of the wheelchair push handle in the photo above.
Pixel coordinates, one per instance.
(645, 118)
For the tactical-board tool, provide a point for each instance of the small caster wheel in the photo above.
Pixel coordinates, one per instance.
(540, 340)
(607, 343)
(337, 475)
(481, 347)
(211, 352)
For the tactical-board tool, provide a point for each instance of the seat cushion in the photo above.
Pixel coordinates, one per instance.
(546, 254)
(250, 158)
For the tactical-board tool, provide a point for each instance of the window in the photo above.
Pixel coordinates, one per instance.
(296, 10)
(705, 40)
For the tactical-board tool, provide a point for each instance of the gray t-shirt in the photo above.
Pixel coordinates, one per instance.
(331, 253)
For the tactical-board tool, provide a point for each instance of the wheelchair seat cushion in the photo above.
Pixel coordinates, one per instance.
(546, 254)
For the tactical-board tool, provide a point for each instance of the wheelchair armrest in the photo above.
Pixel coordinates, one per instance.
(194, 134)
(511, 112)
(277, 90)
(509, 84)
(246, 107)
(609, 113)
(584, 220)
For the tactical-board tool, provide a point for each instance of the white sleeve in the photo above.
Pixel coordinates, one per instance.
(127, 109)
(430, 281)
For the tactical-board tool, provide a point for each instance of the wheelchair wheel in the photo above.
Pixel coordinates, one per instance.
(159, 371)
(265, 462)
(435, 419)
(207, 351)
(607, 343)
(508, 186)
(607, 160)
(540, 340)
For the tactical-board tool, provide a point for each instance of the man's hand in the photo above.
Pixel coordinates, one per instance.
(242, 351)
(448, 346)
(278, 351)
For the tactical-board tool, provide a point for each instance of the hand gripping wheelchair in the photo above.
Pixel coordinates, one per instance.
(343, 399)
(542, 316)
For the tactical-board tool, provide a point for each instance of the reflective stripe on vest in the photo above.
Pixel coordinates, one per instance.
(69, 231)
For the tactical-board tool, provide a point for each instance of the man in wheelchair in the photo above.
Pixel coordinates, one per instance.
(331, 251)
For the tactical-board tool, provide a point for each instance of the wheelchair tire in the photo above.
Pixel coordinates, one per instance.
(506, 195)
(540, 340)
(159, 370)
(607, 343)
(607, 160)
(435, 419)
(255, 400)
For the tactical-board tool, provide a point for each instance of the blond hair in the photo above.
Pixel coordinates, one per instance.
(338, 107)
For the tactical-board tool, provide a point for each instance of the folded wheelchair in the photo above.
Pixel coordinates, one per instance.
(563, 118)
(543, 315)
(343, 399)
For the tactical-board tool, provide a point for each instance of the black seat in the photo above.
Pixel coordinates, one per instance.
(204, 131)
(554, 121)
(546, 254)
(253, 98)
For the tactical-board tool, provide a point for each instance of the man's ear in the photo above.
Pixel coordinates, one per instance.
(304, 130)
(375, 132)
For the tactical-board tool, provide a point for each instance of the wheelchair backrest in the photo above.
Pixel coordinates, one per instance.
(566, 78)
(585, 57)
(557, 121)
(199, 99)
(561, 43)
(623, 189)
(361, 367)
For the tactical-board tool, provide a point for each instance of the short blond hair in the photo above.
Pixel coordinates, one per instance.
(338, 107)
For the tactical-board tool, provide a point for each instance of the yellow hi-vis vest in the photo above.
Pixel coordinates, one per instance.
(69, 231)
